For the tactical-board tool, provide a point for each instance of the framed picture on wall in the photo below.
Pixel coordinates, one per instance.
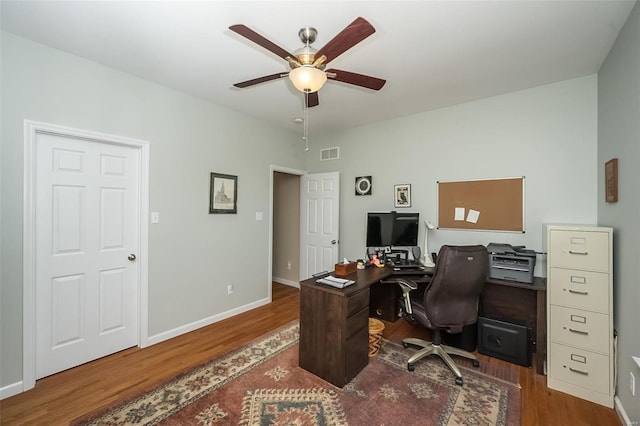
(223, 197)
(402, 195)
(611, 180)
(363, 185)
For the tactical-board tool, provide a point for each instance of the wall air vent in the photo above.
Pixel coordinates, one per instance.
(330, 153)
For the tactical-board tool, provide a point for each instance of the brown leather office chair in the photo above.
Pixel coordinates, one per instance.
(449, 302)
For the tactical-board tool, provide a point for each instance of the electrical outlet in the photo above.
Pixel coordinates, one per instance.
(632, 383)
(229, 288)
(289, 265)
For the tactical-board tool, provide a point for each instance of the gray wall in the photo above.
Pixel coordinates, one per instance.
(547, 134)
(619, 137)
(193, 255)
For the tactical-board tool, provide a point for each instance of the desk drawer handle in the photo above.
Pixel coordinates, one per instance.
(578, 292)
(583, 253)
(585, 373)
(585, 333)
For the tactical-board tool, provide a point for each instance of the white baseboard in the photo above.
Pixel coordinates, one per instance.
(622, 414)
(285, 282)
(10, 390)
(170, 334)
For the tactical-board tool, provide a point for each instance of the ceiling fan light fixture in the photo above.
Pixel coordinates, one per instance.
(307, 78)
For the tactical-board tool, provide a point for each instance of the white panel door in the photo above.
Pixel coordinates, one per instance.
(87, 236)
(319, 222)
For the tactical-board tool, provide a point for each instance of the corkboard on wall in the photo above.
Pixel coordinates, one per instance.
(488, 204)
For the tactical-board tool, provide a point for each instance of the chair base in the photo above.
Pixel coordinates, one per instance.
(443, 351)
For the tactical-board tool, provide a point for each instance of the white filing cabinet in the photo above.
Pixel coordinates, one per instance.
(580, 354)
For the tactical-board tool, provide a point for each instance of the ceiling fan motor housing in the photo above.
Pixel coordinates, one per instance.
(307, 35)
(305, 55)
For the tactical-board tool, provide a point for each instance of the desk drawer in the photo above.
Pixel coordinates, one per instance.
(588, 250)
(578, 367)
(579, 289)
(357, 301)
(584, 329)
(357, 322)
(357, 354)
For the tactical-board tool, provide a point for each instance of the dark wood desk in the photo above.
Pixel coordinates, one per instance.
(510, 301)
(520, 303)
(334, 326)
(334, 323)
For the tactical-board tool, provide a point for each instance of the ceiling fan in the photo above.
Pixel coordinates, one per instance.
(308, 64)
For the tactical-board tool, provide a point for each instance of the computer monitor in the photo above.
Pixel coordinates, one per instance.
(405, 229)
(392, 229)
(379, 229)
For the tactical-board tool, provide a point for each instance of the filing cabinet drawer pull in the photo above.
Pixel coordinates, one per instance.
(578, 280)
(579, 358)
(585, 333)
(579, 318)
(585, 373)
(578, 292)
(583, 253)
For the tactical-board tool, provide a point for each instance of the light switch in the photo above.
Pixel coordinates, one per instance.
(155, 217)
(258, 215)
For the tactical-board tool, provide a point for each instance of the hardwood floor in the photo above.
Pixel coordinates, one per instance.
(58, 399)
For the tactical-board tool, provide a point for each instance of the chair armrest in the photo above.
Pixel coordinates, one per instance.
(407, 286)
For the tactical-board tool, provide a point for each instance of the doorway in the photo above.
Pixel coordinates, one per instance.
(285, 214)
(314, 208)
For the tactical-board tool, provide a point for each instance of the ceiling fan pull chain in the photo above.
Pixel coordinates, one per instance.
(305, 126)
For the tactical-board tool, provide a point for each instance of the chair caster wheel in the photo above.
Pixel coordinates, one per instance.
(476, 363)
(459, 381)
(405, 345)
(411, 367)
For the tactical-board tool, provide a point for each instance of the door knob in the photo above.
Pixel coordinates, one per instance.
(333, 241)
(131, 257)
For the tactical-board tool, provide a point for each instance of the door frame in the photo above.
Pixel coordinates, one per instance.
(272, 169)
(31, 131)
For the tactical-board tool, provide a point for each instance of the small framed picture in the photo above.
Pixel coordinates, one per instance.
(223, 197)
(611, 180)
(402, 195)
(363, 185)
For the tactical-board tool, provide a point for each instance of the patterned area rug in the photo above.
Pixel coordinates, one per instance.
(261, 384)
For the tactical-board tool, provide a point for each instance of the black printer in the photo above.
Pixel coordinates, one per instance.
(507, 262)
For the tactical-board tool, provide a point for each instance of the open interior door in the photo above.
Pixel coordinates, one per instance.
(319, 222)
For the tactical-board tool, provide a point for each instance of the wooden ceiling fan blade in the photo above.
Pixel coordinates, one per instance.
(353, 34)
(249, 34)
(361, 80)
(259, 80)
(311, 99)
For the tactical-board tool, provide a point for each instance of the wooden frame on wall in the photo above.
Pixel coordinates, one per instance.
(611, 180)
(223, 193)
(402, 195)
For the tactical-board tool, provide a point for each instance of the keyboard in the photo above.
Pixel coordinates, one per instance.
(403, 265)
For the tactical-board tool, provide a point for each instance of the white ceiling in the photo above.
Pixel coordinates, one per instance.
(432, 53)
